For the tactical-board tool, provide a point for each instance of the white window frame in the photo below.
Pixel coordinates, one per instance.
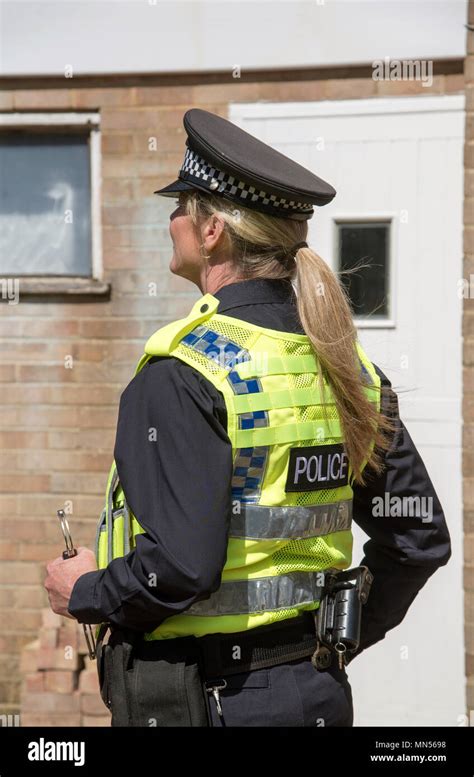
(362, 322)
(89, 121)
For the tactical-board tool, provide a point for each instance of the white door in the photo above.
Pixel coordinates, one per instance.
(401, 161)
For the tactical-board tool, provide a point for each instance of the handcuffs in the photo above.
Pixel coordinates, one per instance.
(338, 617)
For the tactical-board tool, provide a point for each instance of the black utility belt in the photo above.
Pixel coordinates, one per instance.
(264, 646)
(332, 630)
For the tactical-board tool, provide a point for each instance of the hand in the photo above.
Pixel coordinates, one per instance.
(62, 575)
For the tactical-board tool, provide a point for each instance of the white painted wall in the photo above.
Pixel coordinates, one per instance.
(39, 37)
(388, 156)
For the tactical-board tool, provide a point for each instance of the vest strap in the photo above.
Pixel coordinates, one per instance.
(288, 433)
(276, 365)
(248, 403)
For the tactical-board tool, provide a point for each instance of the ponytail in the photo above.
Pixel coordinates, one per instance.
(326, 317)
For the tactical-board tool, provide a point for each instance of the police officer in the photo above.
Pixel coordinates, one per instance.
(254, 431)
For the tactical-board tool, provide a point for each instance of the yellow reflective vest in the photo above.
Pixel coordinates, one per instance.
(291, 492)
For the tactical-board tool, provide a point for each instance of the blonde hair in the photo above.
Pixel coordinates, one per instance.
(260, 247)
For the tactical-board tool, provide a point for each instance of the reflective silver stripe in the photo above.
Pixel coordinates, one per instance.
(240, 597)
(100, 528)
(126, 527)
(257, 522)
(110, 523)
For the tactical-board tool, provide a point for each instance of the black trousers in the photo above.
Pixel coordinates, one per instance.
(160, 684)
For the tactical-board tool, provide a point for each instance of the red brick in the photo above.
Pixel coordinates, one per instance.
(7, 597)
(68, 638)
(38, 552)
(46, 719)
(57, 681)
(50, 619)
(29, 657)
(8, 550)
(89, 681)
(95, 720)
(51, 702)
(30, 482)
(20, 620)
(35, 683)
(8, 504)
(164, 95)
(30, 597)
(117, 143)
(51, 658)
(18, 439)
(42, 98)
(74, 483)
(97, 97)
(117, 190)
(92, 705)
(7, 373)
(20, 572)
(158, 121)
(67, 461)
(48, 638)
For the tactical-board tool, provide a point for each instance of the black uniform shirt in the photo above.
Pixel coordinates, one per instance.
(178, 484)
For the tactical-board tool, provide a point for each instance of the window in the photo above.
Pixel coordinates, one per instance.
(363, 248)
(49, 201)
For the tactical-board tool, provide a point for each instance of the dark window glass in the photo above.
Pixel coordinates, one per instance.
(365, 244)
(45, 204)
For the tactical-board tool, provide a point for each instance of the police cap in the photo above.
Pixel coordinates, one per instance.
(224, 160)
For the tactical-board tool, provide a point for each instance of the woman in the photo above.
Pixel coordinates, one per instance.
(253, 432)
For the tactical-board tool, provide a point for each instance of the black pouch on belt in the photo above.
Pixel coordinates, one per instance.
(151, 684)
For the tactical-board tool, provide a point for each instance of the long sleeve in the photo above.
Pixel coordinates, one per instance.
(174, 460)
(403, 551)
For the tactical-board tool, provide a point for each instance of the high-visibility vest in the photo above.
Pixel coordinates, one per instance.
(291, 485)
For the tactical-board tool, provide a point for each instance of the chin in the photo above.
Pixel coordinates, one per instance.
(173, 265)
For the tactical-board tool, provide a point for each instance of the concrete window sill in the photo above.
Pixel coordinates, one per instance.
(57, 286)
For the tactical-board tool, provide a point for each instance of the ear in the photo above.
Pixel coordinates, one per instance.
(212, 231)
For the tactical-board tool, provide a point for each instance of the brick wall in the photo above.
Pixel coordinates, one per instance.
(468, 364)
(58, 424)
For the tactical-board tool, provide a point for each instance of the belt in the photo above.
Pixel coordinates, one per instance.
(224, 654)
(243, 651)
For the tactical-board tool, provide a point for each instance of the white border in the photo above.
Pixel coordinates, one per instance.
(368, 107)
(390, 218)
(72, 119)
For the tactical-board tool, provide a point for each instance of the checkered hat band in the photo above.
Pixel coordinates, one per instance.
(196, 168)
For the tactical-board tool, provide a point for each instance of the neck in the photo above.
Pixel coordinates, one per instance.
(215, 277)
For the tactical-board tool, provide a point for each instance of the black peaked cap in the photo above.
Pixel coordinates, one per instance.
(224, 160)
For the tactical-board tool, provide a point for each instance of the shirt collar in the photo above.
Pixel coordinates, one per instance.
(256, 291)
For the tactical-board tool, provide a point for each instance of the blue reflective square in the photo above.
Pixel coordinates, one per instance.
(240, 472)
(230, 359)
(259, 414)
(234, 377)
(190, 339)
(253, 387)
(257, 461)
(247, 423)
(232, 348)
(252, 483)
(210, 336)
(212, 352)
(246, 452)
